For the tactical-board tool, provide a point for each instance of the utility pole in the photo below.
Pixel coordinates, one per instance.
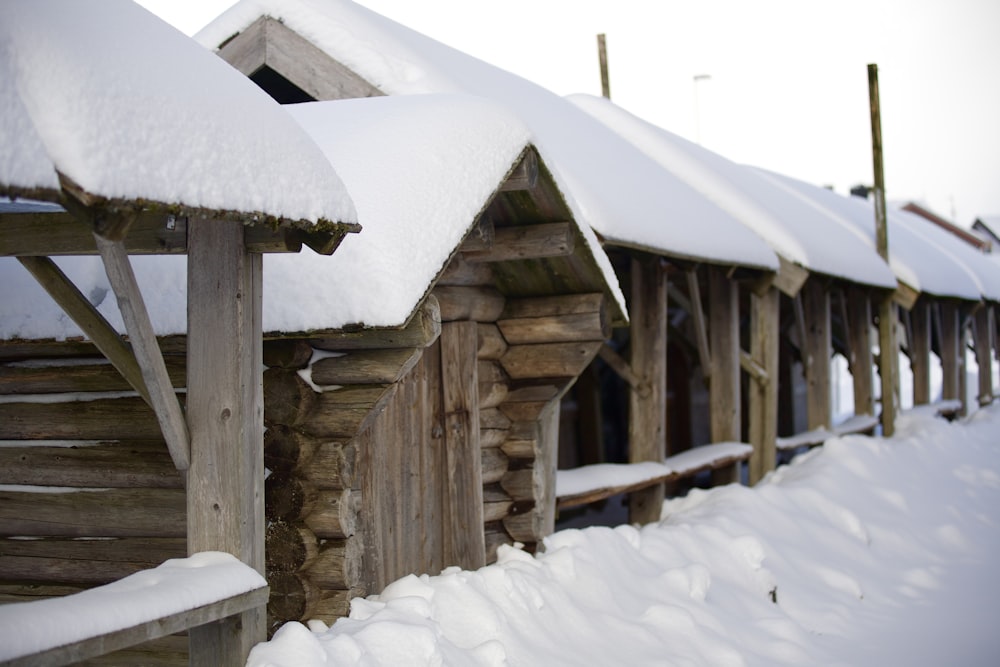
(888, 354)
(602, 54)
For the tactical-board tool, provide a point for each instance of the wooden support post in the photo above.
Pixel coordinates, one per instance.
(700, 328)
(724, 386)
(888, 355)
(602, 54)
(859, 323)
(762, 402)
(920, 352)
(984, 358)
(888, 364)
(816, 351)
(464, 543)
(225, 498)
(648, 398)
(89, 319)
(963, 367)
(950, 349)
(147, 351)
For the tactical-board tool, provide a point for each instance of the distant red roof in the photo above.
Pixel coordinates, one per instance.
(981, 244)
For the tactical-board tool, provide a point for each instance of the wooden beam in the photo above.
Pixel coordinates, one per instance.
(524, 175)
(552, 239)
(859, 323)
(549, 360)
(983, 324)
(225, 499)
(602, 56)
(888, 365)
(464, 543)
(93, 324)
(762, 401)
(152, 233)
(647, 423)
(423, 329)
(950, 349)
(816, 351)
(619, 365)
(790, 277)
(905, 295)
(920, 352)
(753, 368)
(724, 389)
(700, 328)
(95, 647)
(162, 398)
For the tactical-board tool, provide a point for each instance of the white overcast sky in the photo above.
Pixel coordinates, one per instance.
(788, 87)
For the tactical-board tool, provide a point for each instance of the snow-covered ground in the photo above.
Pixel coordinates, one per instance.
(866, 551)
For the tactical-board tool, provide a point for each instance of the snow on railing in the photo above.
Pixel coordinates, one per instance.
(179, 594)
(587, 484)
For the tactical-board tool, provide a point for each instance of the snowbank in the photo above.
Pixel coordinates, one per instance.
(864, 552)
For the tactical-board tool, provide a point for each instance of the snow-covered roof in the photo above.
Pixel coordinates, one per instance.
(420, 168)
(801, 233)
(984, 272)
(915, 261)
(127, 108)
(623, 194)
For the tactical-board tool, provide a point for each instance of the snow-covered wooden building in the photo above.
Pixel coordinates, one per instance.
(420, 412)
(412, 387)
(818, 304)
(120, 131)
(940, 287)
(643, 215)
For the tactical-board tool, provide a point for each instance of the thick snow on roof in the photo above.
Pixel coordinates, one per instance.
(609, 184)
(801, 233)
(915, 261)
(982, 270)
(129, 108)
(420, 169)
(25, 167)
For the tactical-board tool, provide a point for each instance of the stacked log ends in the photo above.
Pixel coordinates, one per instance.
(537, 347)
(313, 415)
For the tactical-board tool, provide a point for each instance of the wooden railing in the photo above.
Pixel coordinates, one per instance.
(147, 605)
(588, 484)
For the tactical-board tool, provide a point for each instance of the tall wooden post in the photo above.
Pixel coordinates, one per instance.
(724, 382)
(464, 543)
(920, 352)
(888, 355)
(647, 422)
(602, 54)
(762, 401)
(950, 348)
(817, 349)
(859, 311)
(984, 357)
(225, 412)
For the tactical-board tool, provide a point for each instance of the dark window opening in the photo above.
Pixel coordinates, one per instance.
(280, 88)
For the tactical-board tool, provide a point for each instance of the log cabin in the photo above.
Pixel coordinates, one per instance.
(410, 424)
(118, 132)
(339, 49)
